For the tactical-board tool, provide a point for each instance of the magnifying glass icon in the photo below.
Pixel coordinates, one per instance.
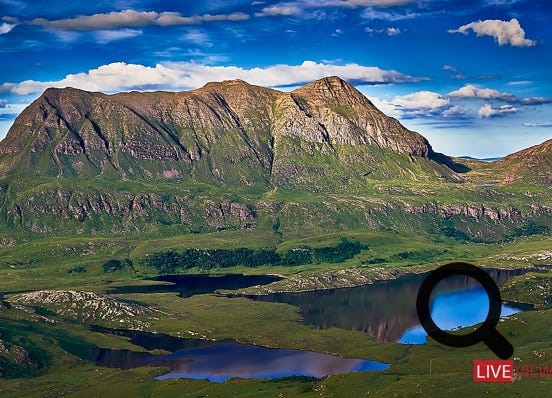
(486, 333)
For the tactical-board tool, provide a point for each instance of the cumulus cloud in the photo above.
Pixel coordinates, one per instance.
(538, 124)
(504, 32)
(120, 76)
(471, 91)
(421, 100)
(132, 18)
(106, 36)
(420, 104)
(487, 110)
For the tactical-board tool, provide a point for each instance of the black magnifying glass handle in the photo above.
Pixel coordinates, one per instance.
(498, 344)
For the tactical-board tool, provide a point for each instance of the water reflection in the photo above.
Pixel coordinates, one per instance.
(220, 362)
(384, 310)
(453, 309)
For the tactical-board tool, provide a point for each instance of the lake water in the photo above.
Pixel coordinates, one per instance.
(219, 361)
(386, 310)
(188, 285)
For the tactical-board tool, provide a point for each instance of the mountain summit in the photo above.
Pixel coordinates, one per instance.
(226, 132)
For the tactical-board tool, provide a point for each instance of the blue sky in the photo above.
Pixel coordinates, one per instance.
(472, 76)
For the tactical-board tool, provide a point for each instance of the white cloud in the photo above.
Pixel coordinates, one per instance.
(471, 91)
(386, 107)
(387, 31)
(120, 76)
(112, 20)
(455, 112)
(297, 8)
(421, 100)
(285, 10)
(504, 32)
(106, 36)
(488, 110)
(420, 104)
(10, 110)
(11, 20)
(538, 124)
(132, 18)
(6, 27)
(520, 83)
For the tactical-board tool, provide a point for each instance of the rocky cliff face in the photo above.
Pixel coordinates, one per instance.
(230, 133)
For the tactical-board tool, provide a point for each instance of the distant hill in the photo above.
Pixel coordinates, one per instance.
(532, 164)
(482, 159)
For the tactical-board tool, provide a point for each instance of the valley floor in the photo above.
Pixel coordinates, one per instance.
(42, 342)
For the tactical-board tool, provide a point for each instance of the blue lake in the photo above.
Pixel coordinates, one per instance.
(219, 362)
(386, 310)
(452, 310)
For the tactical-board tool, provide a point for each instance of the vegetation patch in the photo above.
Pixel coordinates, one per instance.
(170, 261)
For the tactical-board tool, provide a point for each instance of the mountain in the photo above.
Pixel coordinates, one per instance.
(533, 164)
(231, 155)
(229, 133)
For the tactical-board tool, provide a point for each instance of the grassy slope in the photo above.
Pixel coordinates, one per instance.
(277, 325)
(29, 261)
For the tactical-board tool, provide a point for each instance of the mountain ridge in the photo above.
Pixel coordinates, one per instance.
(86, 134)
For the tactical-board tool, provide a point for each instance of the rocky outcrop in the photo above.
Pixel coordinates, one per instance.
(89, 307)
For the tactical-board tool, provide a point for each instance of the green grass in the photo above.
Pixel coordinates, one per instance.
(278, 325)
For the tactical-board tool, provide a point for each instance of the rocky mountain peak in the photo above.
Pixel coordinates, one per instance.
(229, 131)
(333, 90)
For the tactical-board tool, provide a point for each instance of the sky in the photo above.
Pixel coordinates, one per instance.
(472, 76)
